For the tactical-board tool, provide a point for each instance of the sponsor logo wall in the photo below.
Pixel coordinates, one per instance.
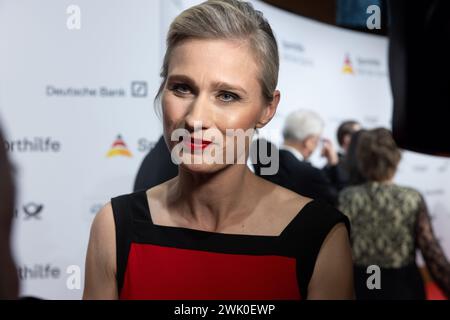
(65, 97)
(77, 108)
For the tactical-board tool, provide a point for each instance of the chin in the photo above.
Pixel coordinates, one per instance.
(202, 168)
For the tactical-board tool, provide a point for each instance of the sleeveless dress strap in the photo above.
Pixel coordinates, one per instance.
(126, 209)
(307, 232)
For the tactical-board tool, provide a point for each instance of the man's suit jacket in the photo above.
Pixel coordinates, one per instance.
(302, 178)
(156, 168)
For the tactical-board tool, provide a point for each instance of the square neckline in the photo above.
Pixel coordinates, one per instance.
(149, 219)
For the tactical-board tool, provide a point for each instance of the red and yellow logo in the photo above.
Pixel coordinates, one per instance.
(119, 148)
(347, 69)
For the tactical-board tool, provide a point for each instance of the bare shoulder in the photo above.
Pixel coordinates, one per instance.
(103, 237)
(286, 200)
(292, 198)
(103, 226)
(100, 271)
(282, 205)
(157, 194)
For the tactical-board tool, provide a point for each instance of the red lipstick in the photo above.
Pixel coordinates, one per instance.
(198, 144)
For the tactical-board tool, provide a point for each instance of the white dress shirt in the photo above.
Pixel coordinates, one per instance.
(294, 151)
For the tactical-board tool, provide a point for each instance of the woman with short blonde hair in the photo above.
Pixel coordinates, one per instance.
(217, 231)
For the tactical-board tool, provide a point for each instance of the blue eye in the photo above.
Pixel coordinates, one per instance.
(228, 97)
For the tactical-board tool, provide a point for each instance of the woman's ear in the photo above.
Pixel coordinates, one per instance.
(269, 110)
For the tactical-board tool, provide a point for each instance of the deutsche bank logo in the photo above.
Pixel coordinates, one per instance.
(139, 89)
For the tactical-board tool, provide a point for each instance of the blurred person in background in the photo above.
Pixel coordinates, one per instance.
(8, 273)
(350, 162)
(345, 132)
(344, 135)
(156, 168)
(389, 222)
(302, 135)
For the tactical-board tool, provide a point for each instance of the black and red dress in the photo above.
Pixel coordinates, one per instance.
(174, 263)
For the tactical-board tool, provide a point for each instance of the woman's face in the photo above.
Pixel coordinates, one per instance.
(212, 90)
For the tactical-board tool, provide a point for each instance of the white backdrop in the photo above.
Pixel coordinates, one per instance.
(77, 108)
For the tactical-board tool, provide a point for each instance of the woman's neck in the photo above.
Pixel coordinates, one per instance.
(210, 201)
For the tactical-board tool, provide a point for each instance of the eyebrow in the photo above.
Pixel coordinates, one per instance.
(182, 78)
(226, 86)
(219, 85)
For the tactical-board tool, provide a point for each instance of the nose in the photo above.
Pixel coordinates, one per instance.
(199, 114)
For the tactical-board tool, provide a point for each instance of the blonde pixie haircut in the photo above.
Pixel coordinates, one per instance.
(233, 20)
